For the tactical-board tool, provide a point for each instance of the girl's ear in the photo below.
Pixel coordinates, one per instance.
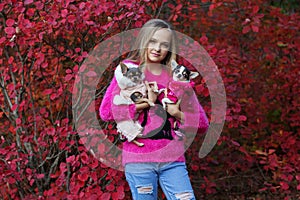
(124, 68)
(193, 75)
(173, 64)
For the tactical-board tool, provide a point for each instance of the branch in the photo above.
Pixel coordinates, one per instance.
(159, 11)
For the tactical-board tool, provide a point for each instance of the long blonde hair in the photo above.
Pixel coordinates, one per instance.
(139, 49)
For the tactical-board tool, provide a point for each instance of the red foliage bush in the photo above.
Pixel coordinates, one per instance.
(43, 45)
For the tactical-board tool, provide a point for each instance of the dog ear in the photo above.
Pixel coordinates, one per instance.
(124, 68)
(173, 64)
(193, 75)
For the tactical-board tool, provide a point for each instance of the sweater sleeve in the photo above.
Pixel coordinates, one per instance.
(194, 114)
(109, 111)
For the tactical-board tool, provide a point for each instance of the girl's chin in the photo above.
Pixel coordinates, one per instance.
(154, 59)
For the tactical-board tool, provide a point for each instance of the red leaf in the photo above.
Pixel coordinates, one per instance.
(39, 5)
(242, 118)
(259, 152)
(89, 22)
(82, 5)
(83, 177)
(255, 28)
(91, 74)
(64, 13)
(70, 159)
(85, 54)
(130, 14)
(57, 173)
(53, 96)
(246, 29)
(10, 30)
(110, 187)
(178, 7)
(10, 22)
(284, 185)
(2, 40)
(40, 176)
(51, 131)
(47, 91)
(94, 164)
(18, 121)
(121, 193)
(31, 182)
(26, 2)
(263, 189)
(1, 6)
(71, 19)
(105, 196)
(14, 107)
(235, 143)
(44, 65)
(82, 68)
(68, 77)
(11, 180)
(10, 60)
(68, 2)
(84, 158)
(255, 9)
(203, 39)
(63, 166)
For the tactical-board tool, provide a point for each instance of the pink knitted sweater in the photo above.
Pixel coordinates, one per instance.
(155, 150)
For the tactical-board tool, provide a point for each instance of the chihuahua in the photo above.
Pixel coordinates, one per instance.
(133, 89)
(180, 73)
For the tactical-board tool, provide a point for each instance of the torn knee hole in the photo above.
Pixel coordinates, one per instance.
(184, 196)
(145, 189)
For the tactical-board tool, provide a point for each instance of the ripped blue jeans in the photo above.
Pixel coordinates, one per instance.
(143, 179)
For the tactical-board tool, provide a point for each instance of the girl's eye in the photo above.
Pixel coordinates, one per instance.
(166, 46)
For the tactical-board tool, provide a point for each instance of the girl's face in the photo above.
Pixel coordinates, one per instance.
(159, 45)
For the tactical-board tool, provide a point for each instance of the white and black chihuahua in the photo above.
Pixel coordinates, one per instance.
(133, 90)
(180, 73)
(181, 76)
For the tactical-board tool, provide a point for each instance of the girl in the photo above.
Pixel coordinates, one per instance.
(161, 159)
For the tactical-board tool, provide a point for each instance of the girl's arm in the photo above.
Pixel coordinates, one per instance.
(189, 112)
(141, 106)
(174, 110)
(109, 111)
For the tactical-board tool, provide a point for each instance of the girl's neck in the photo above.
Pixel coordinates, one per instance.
(154, 68)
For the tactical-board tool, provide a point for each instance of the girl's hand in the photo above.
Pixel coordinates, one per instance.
(173, 110)
(152, 96)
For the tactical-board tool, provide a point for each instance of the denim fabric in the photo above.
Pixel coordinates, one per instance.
(143, 179)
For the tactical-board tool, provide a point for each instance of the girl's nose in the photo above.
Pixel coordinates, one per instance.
(157, 47)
